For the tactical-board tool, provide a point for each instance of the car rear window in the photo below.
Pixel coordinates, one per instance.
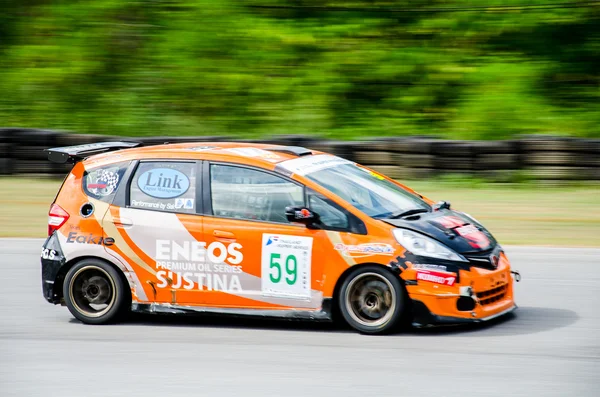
(164, 186)
(102, 182)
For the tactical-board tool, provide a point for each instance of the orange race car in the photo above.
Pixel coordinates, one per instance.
(266, 230)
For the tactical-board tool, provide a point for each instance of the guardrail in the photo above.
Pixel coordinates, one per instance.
(539, 157)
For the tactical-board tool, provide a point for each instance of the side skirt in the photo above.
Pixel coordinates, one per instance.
(323, 315)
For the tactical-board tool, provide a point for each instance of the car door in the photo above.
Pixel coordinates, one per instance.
(157, 228)
(271, 263)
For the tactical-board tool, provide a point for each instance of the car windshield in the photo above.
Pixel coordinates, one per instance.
(367, 191)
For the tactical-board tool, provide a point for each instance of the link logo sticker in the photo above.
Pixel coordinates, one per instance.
(163, 183)
(361, 250)
(436, 277)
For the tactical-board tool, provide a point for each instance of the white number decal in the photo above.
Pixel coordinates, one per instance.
(285, 266)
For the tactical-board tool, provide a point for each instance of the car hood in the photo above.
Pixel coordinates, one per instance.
(454, 229)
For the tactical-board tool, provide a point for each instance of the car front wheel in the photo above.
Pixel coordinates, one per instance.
(372, 300)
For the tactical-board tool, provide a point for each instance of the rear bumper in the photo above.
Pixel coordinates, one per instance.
(52, 259)
(422, 316)
(49, 273)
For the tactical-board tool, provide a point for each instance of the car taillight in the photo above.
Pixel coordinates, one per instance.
(56, 218)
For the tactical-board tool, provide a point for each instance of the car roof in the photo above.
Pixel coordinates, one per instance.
(238, 152)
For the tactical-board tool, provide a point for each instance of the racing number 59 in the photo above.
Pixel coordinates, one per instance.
(291, 271)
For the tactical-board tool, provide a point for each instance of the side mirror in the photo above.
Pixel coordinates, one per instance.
(441, 205)
(301, 215)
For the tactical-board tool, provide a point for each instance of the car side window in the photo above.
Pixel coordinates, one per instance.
(164, 186)
(102, 182)
(330, 216)
(246, 193)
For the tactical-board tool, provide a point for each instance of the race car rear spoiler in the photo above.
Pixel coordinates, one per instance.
(72, 154)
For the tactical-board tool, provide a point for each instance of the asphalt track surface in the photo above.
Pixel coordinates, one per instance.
(549, 347)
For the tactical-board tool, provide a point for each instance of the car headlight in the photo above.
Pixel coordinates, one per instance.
(422, 245)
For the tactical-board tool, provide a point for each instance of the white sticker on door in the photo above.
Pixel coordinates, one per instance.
(286, 262)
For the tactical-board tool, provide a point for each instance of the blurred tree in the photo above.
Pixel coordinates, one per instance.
(341, 68)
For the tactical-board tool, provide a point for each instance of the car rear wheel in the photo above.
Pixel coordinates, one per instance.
(95, 292)
(372, 300)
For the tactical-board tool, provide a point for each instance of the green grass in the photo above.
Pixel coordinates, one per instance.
(24, 205)
(522, 214)
(526, 214)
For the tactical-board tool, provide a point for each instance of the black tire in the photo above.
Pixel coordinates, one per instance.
(94, 282)
(376, 287)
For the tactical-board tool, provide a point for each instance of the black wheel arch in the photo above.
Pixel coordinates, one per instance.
(335, 308)
(64, 269)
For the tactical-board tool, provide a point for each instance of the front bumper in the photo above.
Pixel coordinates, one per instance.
(477, 295)
(422, 316)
